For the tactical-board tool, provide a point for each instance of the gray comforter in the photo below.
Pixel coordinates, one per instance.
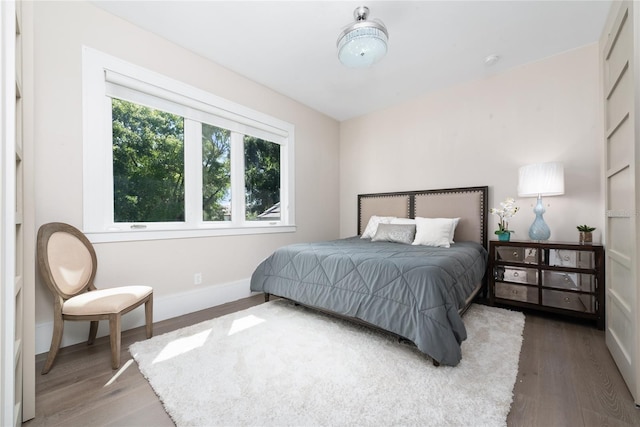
(413, 291)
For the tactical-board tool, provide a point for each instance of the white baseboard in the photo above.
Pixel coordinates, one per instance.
(165, 307)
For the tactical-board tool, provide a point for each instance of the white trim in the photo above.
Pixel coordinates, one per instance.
(287, 182)
(238, 205)
(192, 172)
(261, 227)
(190, 107)
(164, 308)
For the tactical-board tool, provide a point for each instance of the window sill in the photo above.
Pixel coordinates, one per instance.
(138, 235)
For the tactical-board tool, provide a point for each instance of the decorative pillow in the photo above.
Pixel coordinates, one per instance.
(398, 233)
(372, 226)
(435, 231)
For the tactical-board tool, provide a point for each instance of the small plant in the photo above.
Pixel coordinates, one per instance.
(585, 228)
(507, 210)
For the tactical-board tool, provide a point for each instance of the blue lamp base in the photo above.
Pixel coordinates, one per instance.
(539, 230)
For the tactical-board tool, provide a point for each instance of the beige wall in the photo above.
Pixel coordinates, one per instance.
(480, 133)
(61, 28)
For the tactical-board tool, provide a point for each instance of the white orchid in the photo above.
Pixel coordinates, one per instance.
(507, 210)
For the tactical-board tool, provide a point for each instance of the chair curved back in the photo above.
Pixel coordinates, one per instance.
(66, 259)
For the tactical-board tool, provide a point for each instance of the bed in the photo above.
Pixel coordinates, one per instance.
(417, 292)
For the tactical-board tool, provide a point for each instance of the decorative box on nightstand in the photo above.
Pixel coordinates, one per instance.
(562, 278)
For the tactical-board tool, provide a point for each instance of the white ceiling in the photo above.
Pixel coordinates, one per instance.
(290, 46)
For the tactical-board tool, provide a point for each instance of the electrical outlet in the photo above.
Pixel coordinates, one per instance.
(197, 279)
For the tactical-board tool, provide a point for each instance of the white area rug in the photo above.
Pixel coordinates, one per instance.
(278, 364)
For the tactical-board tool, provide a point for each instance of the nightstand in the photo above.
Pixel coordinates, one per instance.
(562, 278)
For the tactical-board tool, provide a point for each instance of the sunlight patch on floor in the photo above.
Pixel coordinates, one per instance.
(244, 323)
(120, 371)
(182, 345)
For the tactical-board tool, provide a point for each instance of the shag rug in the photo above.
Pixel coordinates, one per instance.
(281, 364)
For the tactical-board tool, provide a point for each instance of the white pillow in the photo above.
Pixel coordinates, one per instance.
(453, 229)
(435, 231)
(403, 221)
(372, 226)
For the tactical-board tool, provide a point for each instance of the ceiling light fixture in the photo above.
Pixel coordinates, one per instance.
(362, 43)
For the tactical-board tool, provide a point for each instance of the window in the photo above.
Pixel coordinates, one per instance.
(216, 174)
(148, 164)
(163, 159)
(262, 179)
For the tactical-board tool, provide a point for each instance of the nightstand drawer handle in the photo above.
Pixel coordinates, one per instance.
(515, 254)
(515, 274)
(567, 299)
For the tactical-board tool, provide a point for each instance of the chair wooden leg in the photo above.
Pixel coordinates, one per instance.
(93, 331)
(148, 315)
(56, 339)
(114, 338)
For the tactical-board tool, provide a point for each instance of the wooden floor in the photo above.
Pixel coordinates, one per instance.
(566, 378)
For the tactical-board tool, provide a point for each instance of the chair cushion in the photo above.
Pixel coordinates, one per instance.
(70, 262)
(105, 301)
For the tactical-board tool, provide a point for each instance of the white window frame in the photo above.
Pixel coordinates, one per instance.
(104, 77)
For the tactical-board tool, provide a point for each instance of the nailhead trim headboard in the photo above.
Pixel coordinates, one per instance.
(469, 204)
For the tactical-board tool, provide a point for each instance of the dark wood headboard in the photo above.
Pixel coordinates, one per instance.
(469, 204)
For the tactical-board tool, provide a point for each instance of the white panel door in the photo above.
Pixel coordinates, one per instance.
(10, 284)
(620, 89)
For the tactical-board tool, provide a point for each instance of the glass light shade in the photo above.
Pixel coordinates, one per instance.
(541, 179)
(362, 43)
(362, 46)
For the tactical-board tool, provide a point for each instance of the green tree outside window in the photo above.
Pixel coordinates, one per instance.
(148, 164)
(262, 179)
(149, 167)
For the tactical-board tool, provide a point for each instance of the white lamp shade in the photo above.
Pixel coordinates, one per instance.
(541, 179)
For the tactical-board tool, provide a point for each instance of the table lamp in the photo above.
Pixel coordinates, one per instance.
(537, 180)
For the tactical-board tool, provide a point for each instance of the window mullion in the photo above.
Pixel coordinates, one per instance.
(284, 183)
(238, 207)
(193, 172)
(108, 165)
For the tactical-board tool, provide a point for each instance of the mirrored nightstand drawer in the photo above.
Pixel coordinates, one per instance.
(517, 275)
(569, 301)
(516, 292)
(571, 258)
(574, 281)
(516, 254)
(555, 279)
